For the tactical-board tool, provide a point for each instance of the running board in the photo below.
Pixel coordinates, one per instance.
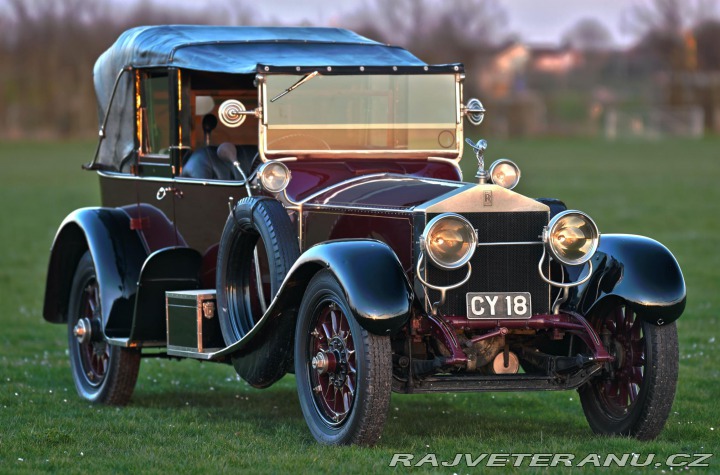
(128, 343)
(207, 355)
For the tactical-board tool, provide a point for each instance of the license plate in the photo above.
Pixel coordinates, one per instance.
(499, 305)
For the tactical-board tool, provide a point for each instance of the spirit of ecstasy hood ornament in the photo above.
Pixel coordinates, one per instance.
(479, 148)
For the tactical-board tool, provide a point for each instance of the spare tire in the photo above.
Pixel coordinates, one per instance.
(257, 249)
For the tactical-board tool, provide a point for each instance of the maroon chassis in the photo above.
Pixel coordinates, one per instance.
(561, 372)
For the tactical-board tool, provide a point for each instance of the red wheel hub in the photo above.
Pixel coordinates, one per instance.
(94, 354)
(333, 372)
(621, 332)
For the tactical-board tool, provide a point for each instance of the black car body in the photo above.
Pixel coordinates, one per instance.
(290, 200)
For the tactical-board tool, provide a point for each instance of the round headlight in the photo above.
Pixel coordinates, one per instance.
(505, 173)
(274, 176)
(449, 240)
(572, 237)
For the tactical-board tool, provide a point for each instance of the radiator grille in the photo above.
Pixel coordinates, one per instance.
(499, 268)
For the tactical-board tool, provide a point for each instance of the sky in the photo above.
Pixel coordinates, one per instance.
(537, 21)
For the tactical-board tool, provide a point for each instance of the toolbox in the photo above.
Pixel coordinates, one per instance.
(192, 323)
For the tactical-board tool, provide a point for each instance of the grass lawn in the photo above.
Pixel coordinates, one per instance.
(191, 417)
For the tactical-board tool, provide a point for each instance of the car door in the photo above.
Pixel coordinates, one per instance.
(154, 182)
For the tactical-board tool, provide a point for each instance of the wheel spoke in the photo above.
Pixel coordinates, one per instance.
(623, 395)
(350, 385)
(91, 300)
(629, 317)
(635, 330)
(637, 348)
(346, 402)
(333, 318)
(328, 333)
(618, 321)
(632, 391)
(326, 395)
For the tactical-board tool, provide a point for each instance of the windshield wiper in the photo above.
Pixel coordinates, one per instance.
(302, 80)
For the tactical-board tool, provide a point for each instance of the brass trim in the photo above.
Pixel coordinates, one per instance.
(127, 343)
(454, 155)
(470, 199)
(517, 243)
(187, 352)
(179, 180)
(419, 125)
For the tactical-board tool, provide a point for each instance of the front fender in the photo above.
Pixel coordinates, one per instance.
(375, 286)
(373, 279)
(118, 254)
(636, 270)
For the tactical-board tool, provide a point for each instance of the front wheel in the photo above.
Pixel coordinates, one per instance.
(102, 373)
(634, 394)
(343, 372)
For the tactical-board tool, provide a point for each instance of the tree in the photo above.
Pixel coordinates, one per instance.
(663, 27)
(707, 36)
(589, 34)
(437, 31)
(433, 28)
(48, 48)
(670, 17)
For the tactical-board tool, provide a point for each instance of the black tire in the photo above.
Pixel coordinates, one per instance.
(102, 373)
(634, 395)
(255, 222)
(362, 378)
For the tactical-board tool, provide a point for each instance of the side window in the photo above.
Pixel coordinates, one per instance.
(156, 135)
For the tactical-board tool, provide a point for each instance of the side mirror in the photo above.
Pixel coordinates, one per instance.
(475, 111)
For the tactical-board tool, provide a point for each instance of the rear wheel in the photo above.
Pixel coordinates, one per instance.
(634, 394)
(343, 372)
(102, 373)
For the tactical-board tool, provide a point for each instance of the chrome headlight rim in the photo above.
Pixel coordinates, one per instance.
(262, 174)
(472, 240)
(548, 231)
(504, 161)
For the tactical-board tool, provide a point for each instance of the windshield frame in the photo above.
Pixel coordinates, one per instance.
(453, 154)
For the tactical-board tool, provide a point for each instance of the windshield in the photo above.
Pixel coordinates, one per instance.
(410, 113)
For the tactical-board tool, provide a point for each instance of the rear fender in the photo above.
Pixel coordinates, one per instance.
(636, 270)
(117, 251)
(120, 241)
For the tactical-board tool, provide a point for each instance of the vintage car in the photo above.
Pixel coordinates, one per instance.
(289, 200)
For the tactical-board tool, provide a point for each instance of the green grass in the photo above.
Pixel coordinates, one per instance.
(191, 417)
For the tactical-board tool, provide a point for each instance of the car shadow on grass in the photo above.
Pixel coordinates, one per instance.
(275, 403)
(478, 416)
(475, 416)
